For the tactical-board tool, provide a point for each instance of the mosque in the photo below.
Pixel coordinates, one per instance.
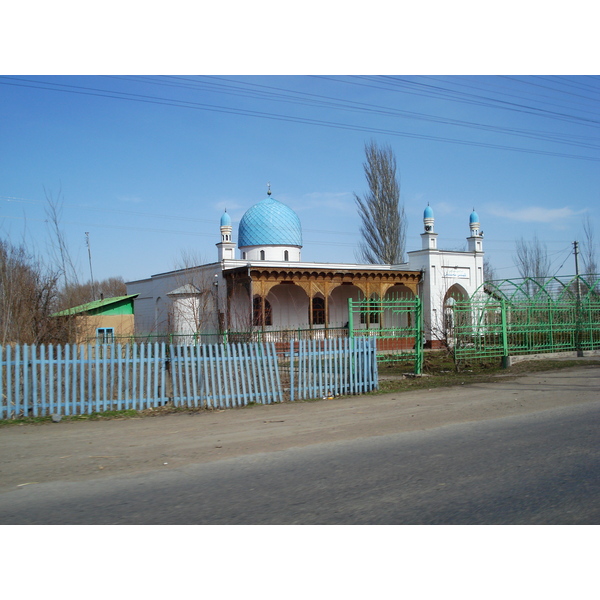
(261, 283)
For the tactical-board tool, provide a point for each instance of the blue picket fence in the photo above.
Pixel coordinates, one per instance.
(333, 367)
(225, 375)
(72, 380)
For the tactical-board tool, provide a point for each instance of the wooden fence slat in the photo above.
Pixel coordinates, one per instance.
(235, 380)
(211, 375)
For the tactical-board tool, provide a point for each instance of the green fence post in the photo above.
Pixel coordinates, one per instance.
(350, 319)
(551, 324)
(418, 336)
(505, 361)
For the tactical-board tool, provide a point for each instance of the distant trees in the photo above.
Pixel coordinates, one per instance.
(383, 219)
(74, 294)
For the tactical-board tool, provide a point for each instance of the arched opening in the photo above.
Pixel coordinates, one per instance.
(338, 304)
(262, 255)
(290, 306)
(398, 307)
(455, 315)
(286, 255)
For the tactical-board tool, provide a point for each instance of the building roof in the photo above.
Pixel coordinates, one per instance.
(269, 223)
(185, 290)
(95, 306)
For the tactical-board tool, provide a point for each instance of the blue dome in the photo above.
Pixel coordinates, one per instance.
(225, 220)
(474, 218)
(270, 223)
(428, 214)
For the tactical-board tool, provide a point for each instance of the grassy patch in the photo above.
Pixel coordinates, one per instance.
(439, 371)
(97, 416)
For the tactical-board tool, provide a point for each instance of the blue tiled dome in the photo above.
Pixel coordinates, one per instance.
(270, 223)
(474, 218)
(428, 214)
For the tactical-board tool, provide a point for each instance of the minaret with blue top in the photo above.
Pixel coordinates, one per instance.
(226, 246)
(428, 237)
(475, 240)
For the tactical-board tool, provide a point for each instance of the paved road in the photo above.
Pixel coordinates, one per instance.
(538, 468)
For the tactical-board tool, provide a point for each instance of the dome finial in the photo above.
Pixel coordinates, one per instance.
(268, 188)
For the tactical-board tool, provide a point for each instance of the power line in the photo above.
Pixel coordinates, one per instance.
(278, 117)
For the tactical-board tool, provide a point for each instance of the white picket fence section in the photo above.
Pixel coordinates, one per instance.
(71, 380)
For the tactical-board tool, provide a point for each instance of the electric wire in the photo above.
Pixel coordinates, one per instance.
(278, 117)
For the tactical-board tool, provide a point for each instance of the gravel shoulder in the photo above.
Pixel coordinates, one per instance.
(76, 451)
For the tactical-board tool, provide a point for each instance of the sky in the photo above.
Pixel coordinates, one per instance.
(143, 166)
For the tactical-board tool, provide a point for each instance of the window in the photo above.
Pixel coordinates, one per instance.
(262, 255)
(257, 319)
(105, 335)
(244, 255)
(286, 255)
(318, 311)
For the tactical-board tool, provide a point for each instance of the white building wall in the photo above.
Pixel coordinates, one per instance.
(157, 313)
(442, 269)
(274, 253)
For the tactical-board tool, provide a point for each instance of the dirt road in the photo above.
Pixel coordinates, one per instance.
(75, 451)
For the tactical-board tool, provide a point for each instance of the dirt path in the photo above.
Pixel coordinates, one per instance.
(69, 451)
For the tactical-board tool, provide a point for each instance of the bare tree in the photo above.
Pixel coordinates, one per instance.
(489, 273)
(59, 250)
(383, 226)
(588, 250)
(531, 258)
(28, 291)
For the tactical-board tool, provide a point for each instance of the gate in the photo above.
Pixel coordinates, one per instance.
(396, 324)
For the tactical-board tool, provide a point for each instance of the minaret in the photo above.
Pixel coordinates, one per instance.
(429, 237)
(475, 240)
(226, 246)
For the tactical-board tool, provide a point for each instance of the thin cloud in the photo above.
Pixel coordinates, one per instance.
(229, 205)
(130, 199)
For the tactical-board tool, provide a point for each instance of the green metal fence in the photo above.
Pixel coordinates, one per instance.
(396, 323)
(527, 316)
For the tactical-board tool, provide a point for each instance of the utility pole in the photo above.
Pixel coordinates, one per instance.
(87, 242)
(578, 315)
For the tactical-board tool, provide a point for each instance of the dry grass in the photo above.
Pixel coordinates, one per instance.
(439, 371)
